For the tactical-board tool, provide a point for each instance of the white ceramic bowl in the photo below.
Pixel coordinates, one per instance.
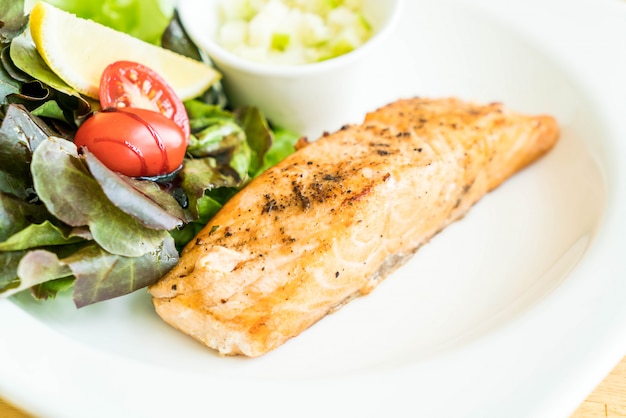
(305, 98)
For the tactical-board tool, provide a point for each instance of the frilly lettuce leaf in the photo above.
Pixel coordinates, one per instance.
(76, 198)
(283, 144)
(258, 133)
(40, 266)
(9, 282)
(203, 175)
(13, 20)
(142, 199)
(20, 134)
(8, 84)
(17, 214)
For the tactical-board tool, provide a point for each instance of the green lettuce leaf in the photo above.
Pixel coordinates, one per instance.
(39, 235)
(49, 289)
(283, 144)
(258, 134)
(9, 281)
(143, 19)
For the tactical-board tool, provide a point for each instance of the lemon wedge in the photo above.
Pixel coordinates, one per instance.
(78, 50)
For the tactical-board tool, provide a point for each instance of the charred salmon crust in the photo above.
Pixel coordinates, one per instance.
(328, 223)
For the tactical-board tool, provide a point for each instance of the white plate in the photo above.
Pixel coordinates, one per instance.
(519, 309)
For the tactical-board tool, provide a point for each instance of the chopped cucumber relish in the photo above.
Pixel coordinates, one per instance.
(291, 32)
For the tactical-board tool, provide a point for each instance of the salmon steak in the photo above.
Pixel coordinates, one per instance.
(332, 220)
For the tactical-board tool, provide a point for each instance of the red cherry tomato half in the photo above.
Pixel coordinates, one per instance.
(134, 142)
(130, 84)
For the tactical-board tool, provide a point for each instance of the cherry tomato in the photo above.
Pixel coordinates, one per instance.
(130, 84)
(134, 142)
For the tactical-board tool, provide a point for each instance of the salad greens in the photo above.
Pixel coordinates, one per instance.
(67, 222)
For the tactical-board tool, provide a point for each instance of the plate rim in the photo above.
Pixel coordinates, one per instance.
(602, 261)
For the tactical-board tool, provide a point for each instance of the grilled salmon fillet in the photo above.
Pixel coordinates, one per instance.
(328, 223)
